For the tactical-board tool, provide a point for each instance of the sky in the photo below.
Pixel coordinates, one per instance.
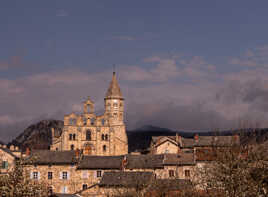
(183, 65)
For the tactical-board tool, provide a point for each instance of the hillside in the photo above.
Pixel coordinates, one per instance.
(38, 136)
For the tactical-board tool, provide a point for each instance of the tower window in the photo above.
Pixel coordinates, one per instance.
(171, 173)
(72, 147)
(187, 173)
(74, 136)
(106, 137)
(88, 108)
(103, 121)
(92, 121)
(104, 148)
(115, 105)
(102, 137)
(70, 136)
(85, 121)
(88, 135)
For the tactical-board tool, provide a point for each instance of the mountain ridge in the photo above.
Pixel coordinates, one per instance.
(38, 135)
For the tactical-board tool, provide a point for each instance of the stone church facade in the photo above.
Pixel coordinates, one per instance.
(103, 135)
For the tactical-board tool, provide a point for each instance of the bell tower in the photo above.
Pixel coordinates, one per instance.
(114, 103)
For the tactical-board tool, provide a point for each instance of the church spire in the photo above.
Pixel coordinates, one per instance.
(113, 91)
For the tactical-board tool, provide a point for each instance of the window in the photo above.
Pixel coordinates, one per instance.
(88, 108)
(4, 164)
(103, 121)
(74, 121)
(88, 135)
(64, 175)
(72, 147)
(166, 151)
(49, 175)
(99, 173)
(104, 148)
(50, 190)
(171, 173)
(92, 121)
(106, 137)
(35, 175)
(102, 137)
(84, 186)
(115, 105)
(85, 121)
(187, 173)
(64, 189)
(70, 136)
(84, 175)
(70, 121)
(74, 136)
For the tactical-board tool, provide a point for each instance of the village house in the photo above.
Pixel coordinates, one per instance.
(91, 158)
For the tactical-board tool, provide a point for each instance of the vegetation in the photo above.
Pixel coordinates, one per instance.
(17, 183)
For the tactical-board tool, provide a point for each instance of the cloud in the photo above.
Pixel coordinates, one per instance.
(255, 57)
(12, 62)
(182, 92)
(62, 13)
(127, 38)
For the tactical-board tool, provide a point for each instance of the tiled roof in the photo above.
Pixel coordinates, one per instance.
(215, 141)
(100, 162)
(9, 152)
(161, 139)
(179, 159)
(47, 157)
(144, 161)
(126, 179)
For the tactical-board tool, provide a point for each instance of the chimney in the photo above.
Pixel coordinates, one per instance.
(77, 153)
(12, 148)
(236, 138)
(28, 151)
(196, 137)
(178, 139)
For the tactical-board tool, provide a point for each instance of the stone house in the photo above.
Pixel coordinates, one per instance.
(8, 157)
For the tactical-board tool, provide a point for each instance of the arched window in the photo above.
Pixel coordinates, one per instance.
(70, 121)
(92, 121)
(102, 137)
(84, 121)
(70, 136)
(74, 136)
(72, 147)
(106, 137)
(74, 121)
(104, 148)
(88, 109)
(88, 135)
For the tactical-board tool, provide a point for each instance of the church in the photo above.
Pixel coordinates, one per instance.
(103, 135)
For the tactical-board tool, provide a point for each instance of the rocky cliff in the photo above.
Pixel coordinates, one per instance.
(38, 136)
